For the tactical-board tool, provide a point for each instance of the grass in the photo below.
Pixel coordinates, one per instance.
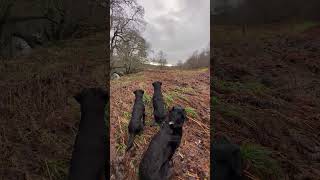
(168, 99)
(185, 90)
(56, 169)
(140, 139)
(177, 93)
(230, 111)
(214, 101)
(121, 148)
(300, 27)
(248, 87)
(37, 90)
(147, 98)
(233, 33)
(127, 115)
(260, 159)
(191, 112)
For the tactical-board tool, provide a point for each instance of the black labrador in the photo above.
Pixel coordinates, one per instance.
(159, 111)
(137, 121)
(155, 162)
(226, 160)
(89, 157)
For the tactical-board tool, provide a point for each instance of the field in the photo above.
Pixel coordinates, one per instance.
(39, 116)
(267, 97)
(189, 88)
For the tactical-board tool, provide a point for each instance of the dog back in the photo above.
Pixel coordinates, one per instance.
(89, 157)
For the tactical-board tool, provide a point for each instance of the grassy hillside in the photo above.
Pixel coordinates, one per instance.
(189, 88)
(38, 113)
(266, 98)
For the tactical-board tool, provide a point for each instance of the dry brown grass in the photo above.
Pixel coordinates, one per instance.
(38, 114)
(189, 88)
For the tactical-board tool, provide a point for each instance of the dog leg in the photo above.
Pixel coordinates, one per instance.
(144, 119)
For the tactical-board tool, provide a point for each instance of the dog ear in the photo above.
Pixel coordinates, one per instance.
(160, 83)
(78, 97)
(142, 91)
(135, 92)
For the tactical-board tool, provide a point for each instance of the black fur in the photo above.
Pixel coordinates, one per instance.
(159, 111)
(226, 159)
(155, 162)
(137, 121)
(89, 157)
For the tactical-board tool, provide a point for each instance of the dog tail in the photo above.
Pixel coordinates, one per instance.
(130, 142)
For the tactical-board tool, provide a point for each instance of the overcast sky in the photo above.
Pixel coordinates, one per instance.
(178, 27)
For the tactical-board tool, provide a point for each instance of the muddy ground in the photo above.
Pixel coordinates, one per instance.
(189, 88)
(267, 93)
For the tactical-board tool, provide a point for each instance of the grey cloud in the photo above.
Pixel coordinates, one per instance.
(178, 33)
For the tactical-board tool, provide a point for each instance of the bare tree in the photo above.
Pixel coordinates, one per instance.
(179, 64)
(132, 52)
(162, 58)
(152, 55)
(198, 59)
(126, 16)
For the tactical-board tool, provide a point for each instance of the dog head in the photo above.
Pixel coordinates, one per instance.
(177, 116)
(138, 92)
(157, 84)
(226, 159)
(92, 98)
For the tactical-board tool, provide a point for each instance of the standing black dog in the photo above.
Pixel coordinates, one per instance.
(137, 121)
(89, 157)
(159, 111)
(226, 160)
(155, 162)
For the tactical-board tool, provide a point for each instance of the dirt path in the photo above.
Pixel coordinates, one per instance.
(188, 88)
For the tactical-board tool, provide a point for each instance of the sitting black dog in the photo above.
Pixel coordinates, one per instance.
(226, 160)
(137, 121)
(155, 162)
(159, 111)
(89, 157)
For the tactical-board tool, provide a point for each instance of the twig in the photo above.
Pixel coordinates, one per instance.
(48, 169)
(250, 176)
(205, 129)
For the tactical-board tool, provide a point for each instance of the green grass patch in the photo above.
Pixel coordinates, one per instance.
(303, 26)
(140, 139)
(260, 159)
(249, 87)
(147, 98)
(191, 112)
(168, 99)
(127, 115)
(214, 101)
(56, 169)
(120, 148)
(185, 90)
(230, 111)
